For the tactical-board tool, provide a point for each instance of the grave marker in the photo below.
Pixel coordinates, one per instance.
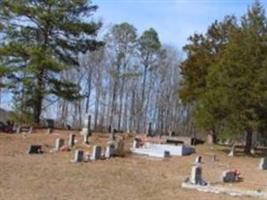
(96, 155)
(78, 156)
(196, 175)
(232, 152)
(230, 176)
(263, 163)
(71, 141)
(109, 151)
(59, 144)
(34, 149)
(198, 160)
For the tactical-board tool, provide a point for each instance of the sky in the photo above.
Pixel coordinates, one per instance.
(174, 20)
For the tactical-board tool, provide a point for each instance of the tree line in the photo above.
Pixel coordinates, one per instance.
(55, 63)
(225, 76)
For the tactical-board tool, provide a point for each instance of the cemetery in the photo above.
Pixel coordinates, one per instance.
(112, 109)
(114, 164)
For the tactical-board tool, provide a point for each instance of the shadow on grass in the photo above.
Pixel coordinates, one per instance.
(239, 151)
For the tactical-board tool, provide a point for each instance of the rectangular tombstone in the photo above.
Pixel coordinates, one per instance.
(59, 143)
(232, 152)
(196, 175)
(30, 130)
(78, 156)
(119, 147)
(34, 149)
(71, 141)
(49, 131)
(110, 150)
(198, 160)
(135, 144)
(263, 163)
(96, 155)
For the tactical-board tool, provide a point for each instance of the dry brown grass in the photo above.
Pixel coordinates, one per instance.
(51, 176)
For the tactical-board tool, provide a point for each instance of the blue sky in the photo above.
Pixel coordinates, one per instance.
(174, 20)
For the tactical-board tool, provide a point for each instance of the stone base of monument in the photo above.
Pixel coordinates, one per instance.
(223, 190)
(162, 150)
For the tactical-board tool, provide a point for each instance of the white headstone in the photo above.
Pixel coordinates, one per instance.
(196, 175)
(232, 152)
(135, 144)
(59, 143)
(71, 141)
(78, 156)
(263, 164)
(96, 155)
(109, 151)
(198, 160)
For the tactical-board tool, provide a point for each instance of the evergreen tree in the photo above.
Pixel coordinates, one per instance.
(38, 40)
(235, 96)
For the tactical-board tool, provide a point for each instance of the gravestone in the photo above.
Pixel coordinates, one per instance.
(34, 149)
(71, 141)
(30, 130)
(96, 155)
(110, 149)
(263, 163)
(135, 144)
(198, 160)
(86, 131)
(119, 147)
(78, 156)
(59, 143)
(196, 175)
(232, 152)
(49, 131)
(18, 129)
(211, 139)
(230, 176)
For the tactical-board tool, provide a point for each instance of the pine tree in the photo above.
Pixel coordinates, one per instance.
(38, 40)
(235, 97)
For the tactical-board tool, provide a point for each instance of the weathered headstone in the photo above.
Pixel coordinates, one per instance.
(34, 149)
(96, 154)
(119, 147)
(211, 139)
(71, 141)
(198, 160)
(232, 152)
(78, 156)
(230, 176)
(49, 131)
(59, 144)
(30, 130)
(263, 163)
(135, 144)
(253, 151)
(110, 149)
(86, 131)
(18, 129)
(196, 175)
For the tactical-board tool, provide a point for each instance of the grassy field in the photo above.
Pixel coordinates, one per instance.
(51, 176)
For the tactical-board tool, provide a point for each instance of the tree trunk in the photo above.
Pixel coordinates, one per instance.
(248, 141)
(38, 98)
(89, 82)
